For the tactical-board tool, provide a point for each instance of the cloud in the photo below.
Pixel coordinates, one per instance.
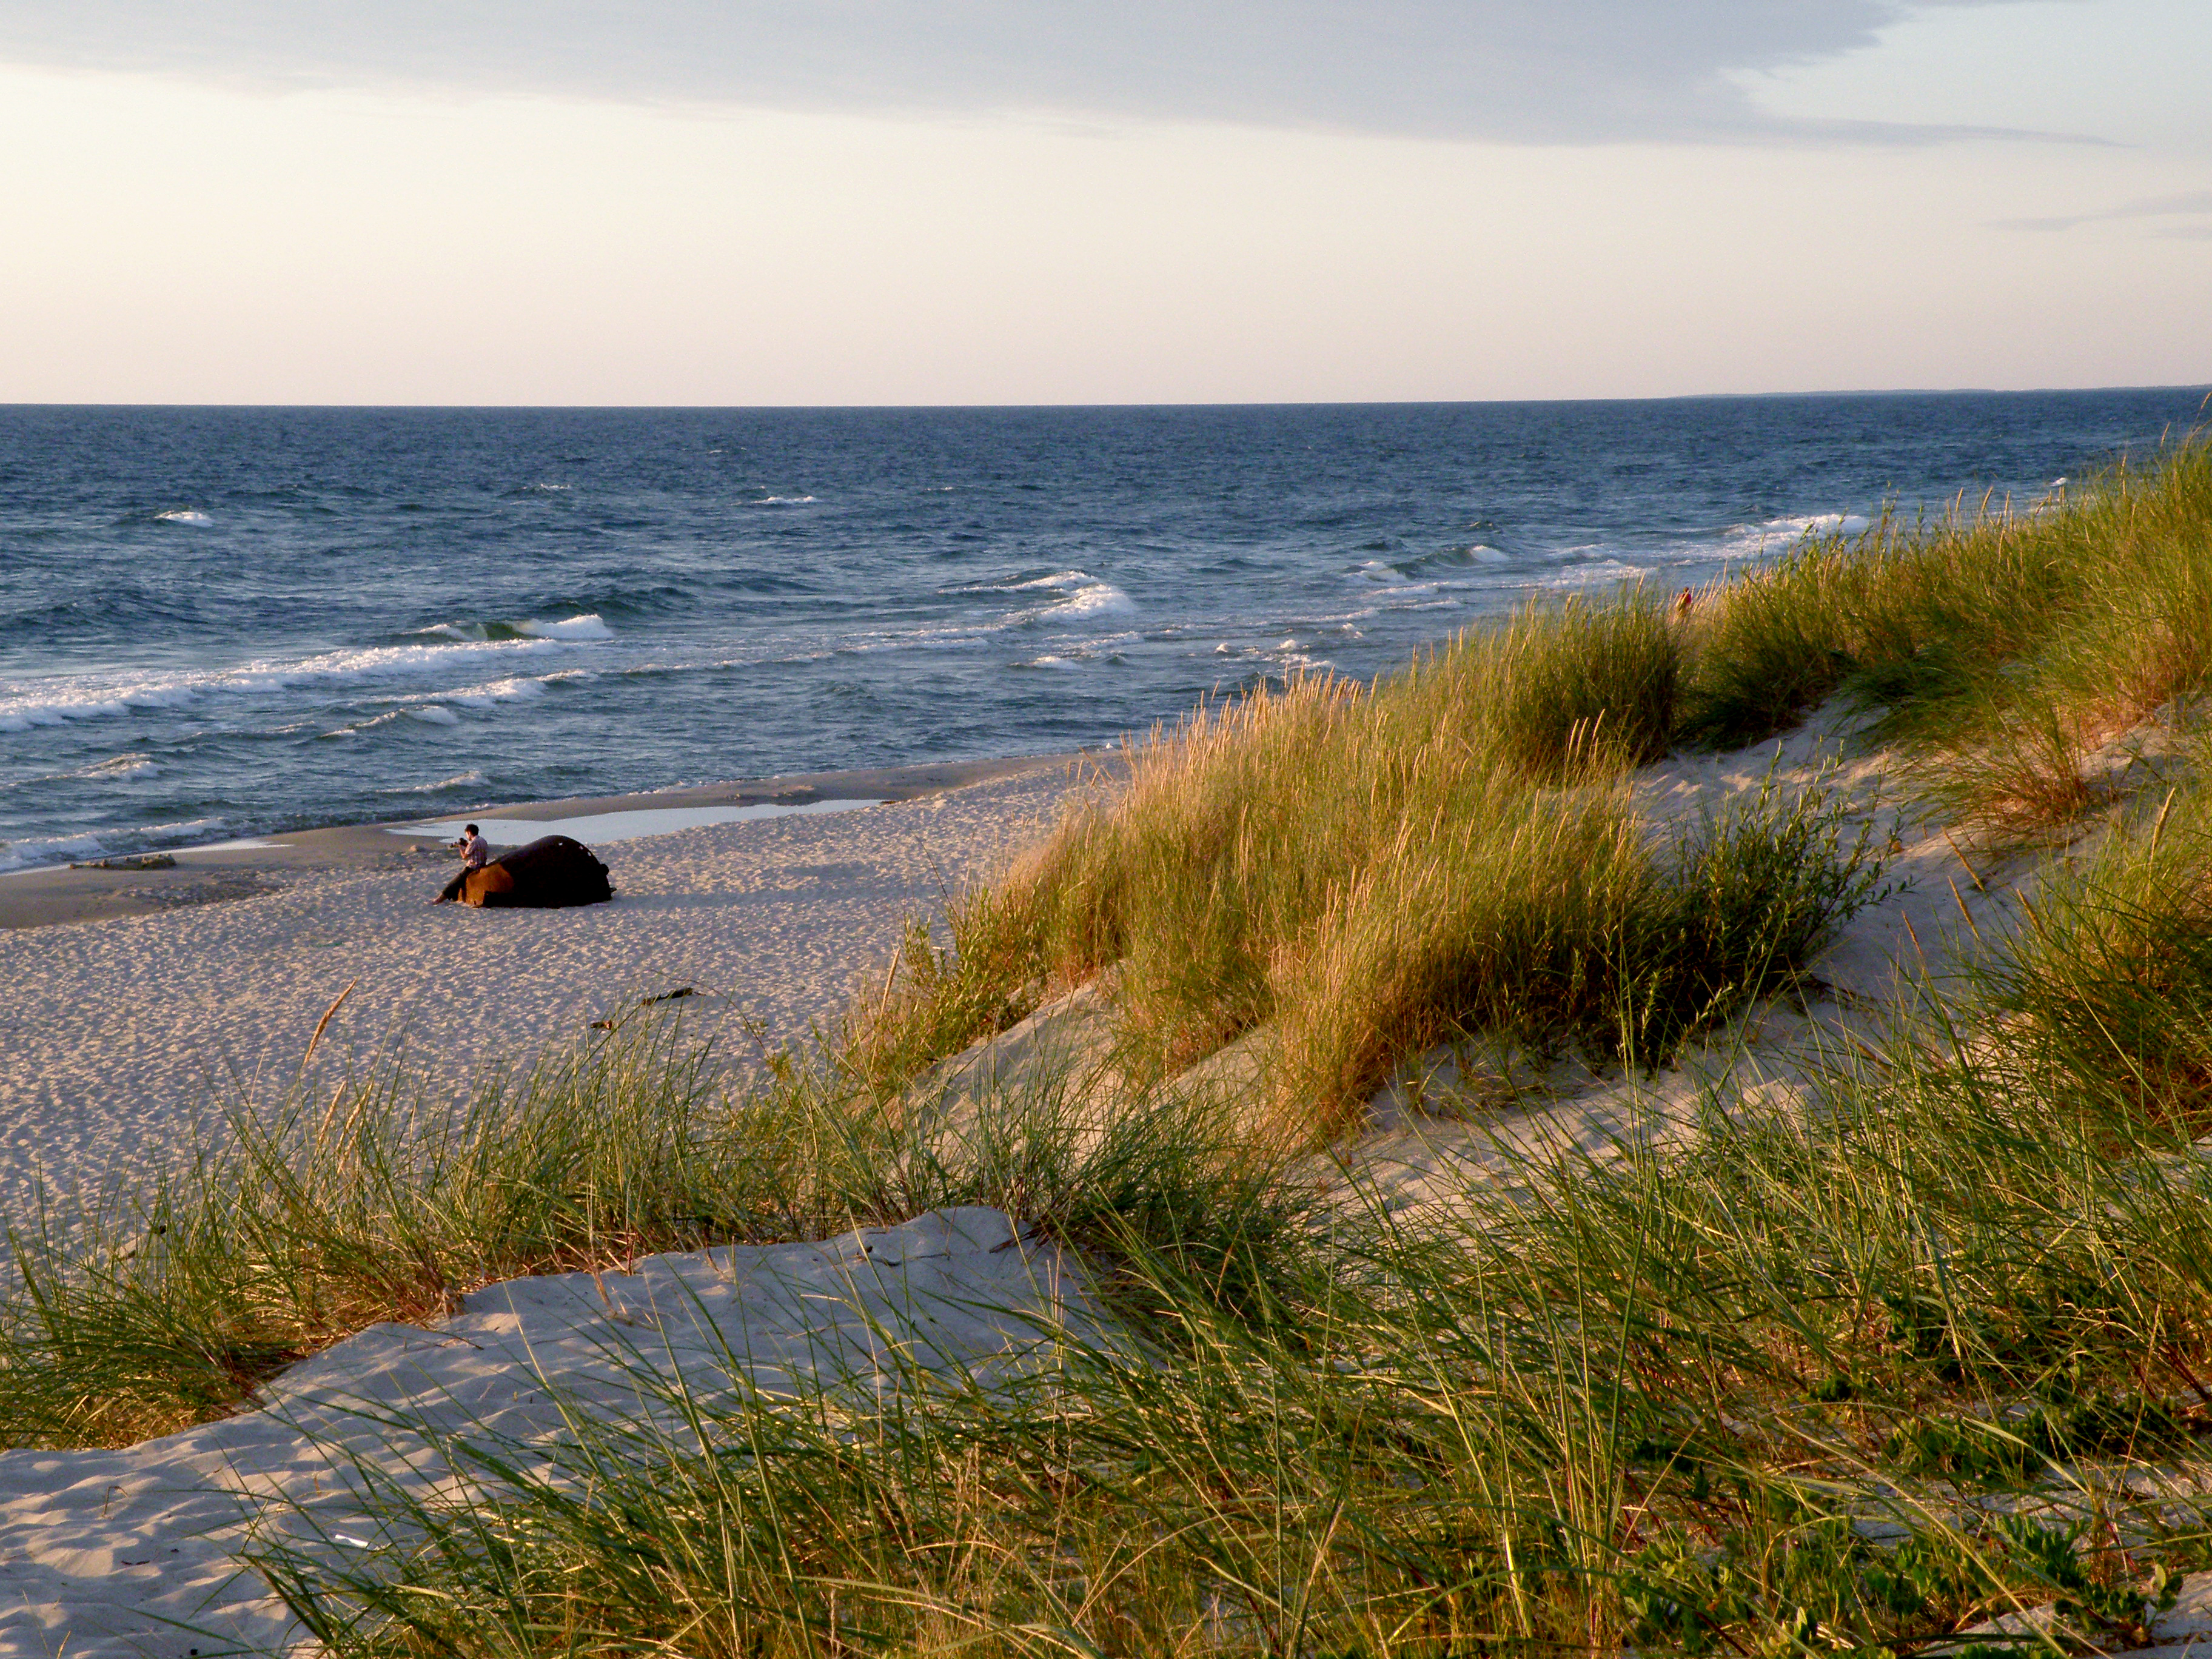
(1522, 70)
(2187, 204)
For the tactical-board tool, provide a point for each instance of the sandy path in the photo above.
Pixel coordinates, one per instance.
(119, 1038)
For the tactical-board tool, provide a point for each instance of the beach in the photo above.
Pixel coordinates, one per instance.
(135, 1007)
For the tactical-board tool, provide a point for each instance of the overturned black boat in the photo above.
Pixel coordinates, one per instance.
(552, 873)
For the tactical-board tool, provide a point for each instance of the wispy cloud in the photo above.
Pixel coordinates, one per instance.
(1573, 71)
(2182, 204)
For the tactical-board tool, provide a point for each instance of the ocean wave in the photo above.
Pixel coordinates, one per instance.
(119, 766)
(1391, 573)
(24, 706)
(35, 852)
(1097, 599)
(468, 779)
(778, 500)
(1592, 574)
(1082, 595)
(513, 689)
(590, 625)
(585, 626)
(1777, 535)
(183, 516)
(433, 713)
(39, 852)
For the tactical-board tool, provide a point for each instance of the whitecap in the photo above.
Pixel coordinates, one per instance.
(585, 626)
(185, 515)
(780, 500)
(1590, 575)
(468, 779)
(120, 766)
(1063, 664)
(39, 851)
(1097, 599)
(435, 714)
(184, 828)
(55, 701)
(495, 691)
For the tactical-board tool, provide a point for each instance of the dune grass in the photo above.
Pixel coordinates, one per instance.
(1846, 1378)
(1366, 871)
(1369, 871)
(137, 1314)
(2000, 646)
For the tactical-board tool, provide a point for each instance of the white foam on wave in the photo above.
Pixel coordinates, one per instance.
(183, 828)
(120, 766)
(1094, 600)
(41, 852)
(469, 780)
(780, 500)
(514, 690)
(1086, 595)
(185, 515)
(1058, 579)
(1589, 575)
(1778, 534)
(434, 714)
(44, 852)
(1063, 665)
(55, 701)
(585, 626)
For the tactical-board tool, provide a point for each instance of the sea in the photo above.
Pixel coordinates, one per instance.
(226, 623)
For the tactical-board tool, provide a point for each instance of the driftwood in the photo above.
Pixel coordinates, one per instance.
(552, 873)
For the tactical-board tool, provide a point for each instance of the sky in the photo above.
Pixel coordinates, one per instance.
(821, 202)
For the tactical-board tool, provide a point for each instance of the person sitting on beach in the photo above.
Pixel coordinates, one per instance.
(475, 850)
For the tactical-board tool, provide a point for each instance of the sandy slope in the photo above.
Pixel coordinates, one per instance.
(138, 1552)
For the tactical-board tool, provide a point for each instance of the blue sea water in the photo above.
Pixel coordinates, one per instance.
(217, 622)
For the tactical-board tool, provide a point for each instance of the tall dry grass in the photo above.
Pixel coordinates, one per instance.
(1844, 1379)
(1366, 871)
(2000, 646)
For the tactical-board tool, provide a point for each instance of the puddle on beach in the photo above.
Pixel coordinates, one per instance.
(621, 826)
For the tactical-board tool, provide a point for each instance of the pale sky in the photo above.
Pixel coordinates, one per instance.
(749, 202)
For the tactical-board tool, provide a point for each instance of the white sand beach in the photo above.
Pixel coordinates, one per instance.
(121, 1038)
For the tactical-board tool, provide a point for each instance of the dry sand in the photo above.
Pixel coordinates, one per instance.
(122, 1038)
(139, 1553)
(132, 1008)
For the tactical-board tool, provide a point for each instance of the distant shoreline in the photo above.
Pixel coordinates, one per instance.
(56, 894)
